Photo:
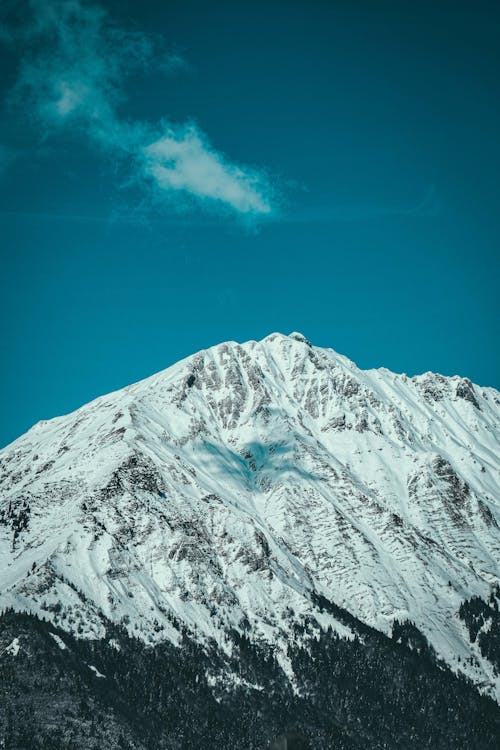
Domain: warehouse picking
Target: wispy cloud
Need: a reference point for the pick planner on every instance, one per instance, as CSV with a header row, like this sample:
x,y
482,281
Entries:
x,y
174,63
73,79
429,205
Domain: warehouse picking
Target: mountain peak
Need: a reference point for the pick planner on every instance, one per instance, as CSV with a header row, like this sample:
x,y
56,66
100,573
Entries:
x,y
295,335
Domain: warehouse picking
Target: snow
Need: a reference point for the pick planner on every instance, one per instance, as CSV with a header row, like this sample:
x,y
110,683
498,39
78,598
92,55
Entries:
x,y
222,492
96,671
13,648
59,641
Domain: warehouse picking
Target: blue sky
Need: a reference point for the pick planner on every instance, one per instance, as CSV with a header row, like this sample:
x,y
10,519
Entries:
x,y
177,174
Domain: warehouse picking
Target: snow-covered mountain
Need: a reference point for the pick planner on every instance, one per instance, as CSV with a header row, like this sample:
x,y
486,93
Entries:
x,y
233,489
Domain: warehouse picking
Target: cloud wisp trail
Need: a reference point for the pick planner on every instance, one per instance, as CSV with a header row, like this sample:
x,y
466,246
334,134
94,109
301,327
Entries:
x,y
73,77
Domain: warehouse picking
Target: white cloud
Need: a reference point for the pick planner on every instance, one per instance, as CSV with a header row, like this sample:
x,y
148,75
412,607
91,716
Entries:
x,y
184,161
75,79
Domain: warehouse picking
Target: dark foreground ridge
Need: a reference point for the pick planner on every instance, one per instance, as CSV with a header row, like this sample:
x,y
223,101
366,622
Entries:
x,y
61,693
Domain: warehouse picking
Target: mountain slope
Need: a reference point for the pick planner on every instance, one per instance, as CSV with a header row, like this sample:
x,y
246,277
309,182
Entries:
x,y
235,488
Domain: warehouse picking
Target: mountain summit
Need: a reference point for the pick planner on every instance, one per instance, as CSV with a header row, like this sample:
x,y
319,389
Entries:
x,y
255,487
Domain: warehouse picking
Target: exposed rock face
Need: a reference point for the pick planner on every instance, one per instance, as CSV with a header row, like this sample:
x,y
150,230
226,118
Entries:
x,y
229,490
